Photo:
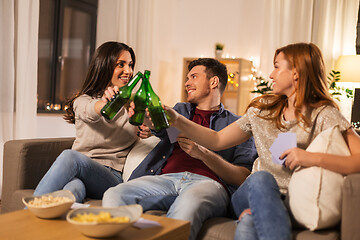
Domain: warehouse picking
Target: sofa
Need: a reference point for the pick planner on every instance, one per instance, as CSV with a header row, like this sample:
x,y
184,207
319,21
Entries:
x,y
26,161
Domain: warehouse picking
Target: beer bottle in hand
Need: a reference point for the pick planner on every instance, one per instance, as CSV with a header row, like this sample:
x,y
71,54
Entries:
x,y
156,111
120,98
141,103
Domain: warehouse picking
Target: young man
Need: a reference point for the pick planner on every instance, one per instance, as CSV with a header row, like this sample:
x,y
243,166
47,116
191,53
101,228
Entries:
x,y
191,182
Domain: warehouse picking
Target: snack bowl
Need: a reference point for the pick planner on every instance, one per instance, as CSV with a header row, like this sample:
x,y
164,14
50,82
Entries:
x,y
56,204
104,229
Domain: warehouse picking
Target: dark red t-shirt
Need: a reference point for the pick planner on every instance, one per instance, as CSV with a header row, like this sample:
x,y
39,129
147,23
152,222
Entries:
x,y
180,161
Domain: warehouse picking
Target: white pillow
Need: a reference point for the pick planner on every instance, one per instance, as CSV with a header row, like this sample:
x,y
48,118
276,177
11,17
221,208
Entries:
x,y
139,151
315,194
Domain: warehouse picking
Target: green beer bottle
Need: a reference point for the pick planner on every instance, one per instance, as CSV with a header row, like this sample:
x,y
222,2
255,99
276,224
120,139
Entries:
x,y
141,103
156,111
120,98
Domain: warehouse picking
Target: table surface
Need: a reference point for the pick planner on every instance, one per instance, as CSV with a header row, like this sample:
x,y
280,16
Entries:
x,y
23,224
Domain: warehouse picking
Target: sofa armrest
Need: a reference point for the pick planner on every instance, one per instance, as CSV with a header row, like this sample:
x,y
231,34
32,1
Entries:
x,y
26,161
351,207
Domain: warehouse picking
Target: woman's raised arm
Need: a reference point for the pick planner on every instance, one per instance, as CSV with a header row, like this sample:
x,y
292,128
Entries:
x,y
228,137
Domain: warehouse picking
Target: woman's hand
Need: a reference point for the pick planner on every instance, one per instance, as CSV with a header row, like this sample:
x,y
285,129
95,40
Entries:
x,y
107,96
147,120
131,110
172,114
144,132
109,93
298,157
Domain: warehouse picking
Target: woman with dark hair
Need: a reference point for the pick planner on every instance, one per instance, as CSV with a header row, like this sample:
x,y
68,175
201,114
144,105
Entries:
x,y
300,104
99,151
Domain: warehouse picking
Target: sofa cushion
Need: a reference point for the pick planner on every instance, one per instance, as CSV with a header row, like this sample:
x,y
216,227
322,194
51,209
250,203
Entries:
x,y
316,193
25,162
350,207
139,151
328,234
218,228
16,199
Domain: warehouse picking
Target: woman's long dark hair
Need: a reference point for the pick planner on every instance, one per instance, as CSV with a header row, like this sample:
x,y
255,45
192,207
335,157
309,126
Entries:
x,y
100,73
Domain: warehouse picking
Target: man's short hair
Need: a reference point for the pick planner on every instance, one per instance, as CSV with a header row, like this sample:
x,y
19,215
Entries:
x,y
212,68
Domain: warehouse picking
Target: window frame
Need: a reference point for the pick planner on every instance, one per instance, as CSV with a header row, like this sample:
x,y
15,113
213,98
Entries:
x,y
88,6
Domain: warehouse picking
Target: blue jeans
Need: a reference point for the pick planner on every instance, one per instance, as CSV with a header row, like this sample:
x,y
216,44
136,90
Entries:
x,y
79,174
246,229
269,218
184,195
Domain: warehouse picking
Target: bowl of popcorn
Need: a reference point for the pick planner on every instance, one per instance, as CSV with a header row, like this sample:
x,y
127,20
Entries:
x,y
99,222
51,205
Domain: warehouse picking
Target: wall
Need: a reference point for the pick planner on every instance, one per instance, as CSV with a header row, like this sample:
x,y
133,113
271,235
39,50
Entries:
x,y
187,28
190,28
53,125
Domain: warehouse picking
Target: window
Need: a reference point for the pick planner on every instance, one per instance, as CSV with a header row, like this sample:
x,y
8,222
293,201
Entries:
x,y
67,34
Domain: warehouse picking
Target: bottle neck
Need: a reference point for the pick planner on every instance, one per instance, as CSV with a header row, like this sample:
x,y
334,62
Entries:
x,y
131,84
148,85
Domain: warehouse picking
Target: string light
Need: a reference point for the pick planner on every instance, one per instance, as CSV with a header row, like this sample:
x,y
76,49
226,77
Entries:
x,y
260,84
232,81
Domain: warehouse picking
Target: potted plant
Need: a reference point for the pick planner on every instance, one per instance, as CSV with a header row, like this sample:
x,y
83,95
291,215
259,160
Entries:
x,y
219,47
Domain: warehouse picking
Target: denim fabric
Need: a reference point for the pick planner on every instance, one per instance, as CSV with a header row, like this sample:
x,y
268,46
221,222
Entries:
x,y
261,194
185,196
79,174
241,155
246,230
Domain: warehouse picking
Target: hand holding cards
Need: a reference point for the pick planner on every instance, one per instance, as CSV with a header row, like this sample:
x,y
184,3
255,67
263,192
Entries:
x,y
283,142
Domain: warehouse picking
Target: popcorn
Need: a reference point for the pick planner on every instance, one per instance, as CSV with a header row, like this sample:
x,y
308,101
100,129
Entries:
x,y
102,217
48,201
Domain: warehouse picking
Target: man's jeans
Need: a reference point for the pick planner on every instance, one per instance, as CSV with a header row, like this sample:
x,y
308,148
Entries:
x,y
79,174
184,195
269,218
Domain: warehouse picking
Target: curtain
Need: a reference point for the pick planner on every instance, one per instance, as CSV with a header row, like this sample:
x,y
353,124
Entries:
x,y
334,28
132,25
330,24
18,70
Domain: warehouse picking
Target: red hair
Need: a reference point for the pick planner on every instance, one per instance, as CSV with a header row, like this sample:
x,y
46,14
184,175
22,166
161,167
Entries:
x,y
312,89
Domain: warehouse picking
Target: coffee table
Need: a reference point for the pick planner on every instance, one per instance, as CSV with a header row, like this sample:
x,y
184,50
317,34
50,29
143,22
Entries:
x,y
23,224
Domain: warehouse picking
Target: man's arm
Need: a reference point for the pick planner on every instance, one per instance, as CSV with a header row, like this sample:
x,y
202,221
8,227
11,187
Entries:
x,y
230,173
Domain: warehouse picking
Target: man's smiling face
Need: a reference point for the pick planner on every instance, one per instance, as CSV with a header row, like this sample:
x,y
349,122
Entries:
x,y
197,85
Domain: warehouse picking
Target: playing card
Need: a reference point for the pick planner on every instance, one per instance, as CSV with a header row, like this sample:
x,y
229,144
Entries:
x,y
283,142
172,133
